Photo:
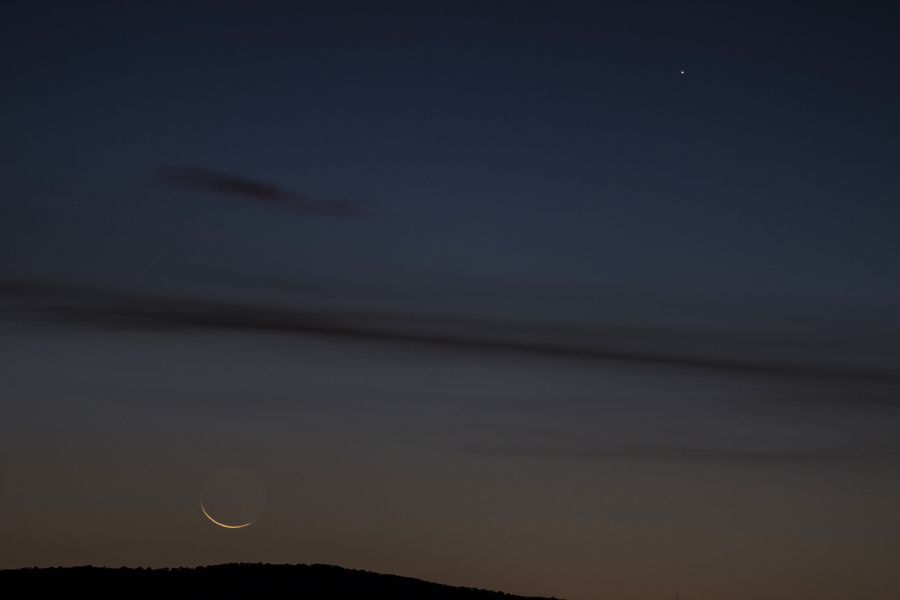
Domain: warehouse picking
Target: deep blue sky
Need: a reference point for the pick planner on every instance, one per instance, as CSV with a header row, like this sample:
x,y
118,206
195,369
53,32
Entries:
x,y
503,143
565,294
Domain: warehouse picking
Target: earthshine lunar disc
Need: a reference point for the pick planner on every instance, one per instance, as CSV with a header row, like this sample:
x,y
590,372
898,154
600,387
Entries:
x,y
233,497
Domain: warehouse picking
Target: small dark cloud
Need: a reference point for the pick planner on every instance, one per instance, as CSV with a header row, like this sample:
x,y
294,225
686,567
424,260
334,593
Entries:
x,y
227,184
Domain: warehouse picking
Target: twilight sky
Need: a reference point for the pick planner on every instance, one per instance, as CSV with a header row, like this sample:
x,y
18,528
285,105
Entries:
x,y
575,299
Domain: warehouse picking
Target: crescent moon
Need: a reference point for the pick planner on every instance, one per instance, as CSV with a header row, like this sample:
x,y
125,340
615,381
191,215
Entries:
x,y
241,526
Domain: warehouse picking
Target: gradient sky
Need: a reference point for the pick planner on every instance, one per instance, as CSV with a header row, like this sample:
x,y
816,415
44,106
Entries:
x,y
595,300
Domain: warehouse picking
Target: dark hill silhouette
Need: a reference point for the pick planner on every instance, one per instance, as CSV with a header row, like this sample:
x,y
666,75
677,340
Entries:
x,y
253,579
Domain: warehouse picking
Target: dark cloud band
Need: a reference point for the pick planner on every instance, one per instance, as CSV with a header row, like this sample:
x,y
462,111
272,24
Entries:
x,y
104,308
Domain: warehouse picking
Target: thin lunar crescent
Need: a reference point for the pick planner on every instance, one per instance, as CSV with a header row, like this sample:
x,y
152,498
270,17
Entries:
x,y
203,508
